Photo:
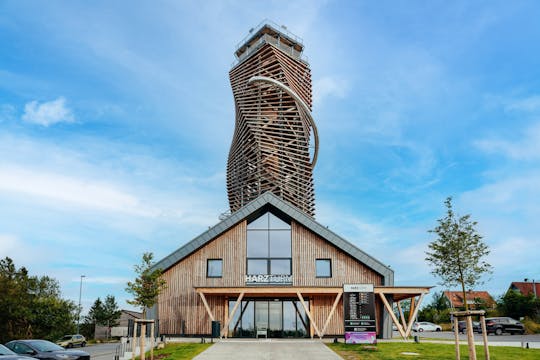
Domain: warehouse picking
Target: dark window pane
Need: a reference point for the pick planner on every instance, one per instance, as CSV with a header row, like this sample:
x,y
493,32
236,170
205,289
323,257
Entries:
x,y
215,268
257,243
323,268
280,243
280,267
277,223
257,267
259,223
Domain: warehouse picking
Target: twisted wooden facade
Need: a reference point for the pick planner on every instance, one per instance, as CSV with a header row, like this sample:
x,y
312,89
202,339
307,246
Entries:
x,y
275,141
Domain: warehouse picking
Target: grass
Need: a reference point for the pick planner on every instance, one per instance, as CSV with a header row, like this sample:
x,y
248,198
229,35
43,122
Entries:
x,y
178,351
391,351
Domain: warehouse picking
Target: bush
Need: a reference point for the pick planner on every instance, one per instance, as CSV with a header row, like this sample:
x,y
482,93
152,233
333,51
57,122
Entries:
x,y
531,327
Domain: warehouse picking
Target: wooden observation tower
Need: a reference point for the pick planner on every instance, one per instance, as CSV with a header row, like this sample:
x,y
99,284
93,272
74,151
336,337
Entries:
x,y
275,140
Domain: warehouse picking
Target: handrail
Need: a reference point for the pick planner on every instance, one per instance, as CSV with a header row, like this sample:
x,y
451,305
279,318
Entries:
x,y
298,99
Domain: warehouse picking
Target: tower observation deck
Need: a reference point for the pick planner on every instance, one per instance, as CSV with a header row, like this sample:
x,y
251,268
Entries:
x,y
275,141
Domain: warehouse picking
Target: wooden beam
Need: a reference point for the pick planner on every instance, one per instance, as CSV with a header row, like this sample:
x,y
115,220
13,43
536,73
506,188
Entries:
x,y
203,298
331,313
226,307
412,307
401,315
414,313
231,315
230,291
392,315
311,319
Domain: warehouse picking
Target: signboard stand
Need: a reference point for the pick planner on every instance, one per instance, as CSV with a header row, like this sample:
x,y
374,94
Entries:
x,y
359,314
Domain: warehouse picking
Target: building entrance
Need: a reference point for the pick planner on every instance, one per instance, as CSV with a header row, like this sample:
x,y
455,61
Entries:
x,y
276,318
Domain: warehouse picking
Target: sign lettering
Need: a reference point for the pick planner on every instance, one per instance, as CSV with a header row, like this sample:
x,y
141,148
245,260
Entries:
x,y
268,279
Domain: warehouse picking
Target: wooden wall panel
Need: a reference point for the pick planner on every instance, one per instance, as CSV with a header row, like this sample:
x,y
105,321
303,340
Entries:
x,y
180,301
307,247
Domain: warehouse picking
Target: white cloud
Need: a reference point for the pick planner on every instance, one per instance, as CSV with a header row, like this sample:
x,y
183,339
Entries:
x,y
47,113
108,280
527,148
329,86
82,192
528,104
7,112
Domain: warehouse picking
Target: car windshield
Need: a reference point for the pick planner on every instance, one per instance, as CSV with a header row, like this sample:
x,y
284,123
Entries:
x,y
45,346
5,351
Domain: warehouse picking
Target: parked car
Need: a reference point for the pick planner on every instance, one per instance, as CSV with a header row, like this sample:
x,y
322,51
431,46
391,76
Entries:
x,y
462,327
6,354
45,350
70,341
498,325
426,326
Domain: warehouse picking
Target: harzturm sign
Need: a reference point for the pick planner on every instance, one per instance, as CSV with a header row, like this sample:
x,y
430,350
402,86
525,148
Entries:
x,y
359,314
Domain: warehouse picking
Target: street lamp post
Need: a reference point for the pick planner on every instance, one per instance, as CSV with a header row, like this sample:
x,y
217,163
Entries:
x,y
79,313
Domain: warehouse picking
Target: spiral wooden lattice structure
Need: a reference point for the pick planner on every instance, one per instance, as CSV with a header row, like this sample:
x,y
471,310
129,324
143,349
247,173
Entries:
x,y
275,141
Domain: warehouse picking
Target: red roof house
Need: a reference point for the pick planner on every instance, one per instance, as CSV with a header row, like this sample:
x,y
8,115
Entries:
x,y
526,288
474,298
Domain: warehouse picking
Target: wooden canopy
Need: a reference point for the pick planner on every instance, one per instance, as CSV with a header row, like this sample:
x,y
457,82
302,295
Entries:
x,y
392,293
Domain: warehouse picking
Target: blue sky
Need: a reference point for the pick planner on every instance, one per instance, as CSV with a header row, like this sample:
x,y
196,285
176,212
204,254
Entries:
x,y
116,120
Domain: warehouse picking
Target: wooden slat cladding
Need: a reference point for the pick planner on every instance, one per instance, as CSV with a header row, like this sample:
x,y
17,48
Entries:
x,y
180,301
307,247
270,150
345,269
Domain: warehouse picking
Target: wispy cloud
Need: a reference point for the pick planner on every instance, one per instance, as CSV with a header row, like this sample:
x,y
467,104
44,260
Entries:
x,y
526,148
47,113
527,104
83,192
329,86
7,112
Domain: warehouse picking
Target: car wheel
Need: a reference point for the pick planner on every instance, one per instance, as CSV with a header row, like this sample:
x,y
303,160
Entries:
x,y
438,329
420,330
498,331
83,344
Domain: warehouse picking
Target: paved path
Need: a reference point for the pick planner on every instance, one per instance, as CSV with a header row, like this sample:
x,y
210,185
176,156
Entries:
x,y
268,350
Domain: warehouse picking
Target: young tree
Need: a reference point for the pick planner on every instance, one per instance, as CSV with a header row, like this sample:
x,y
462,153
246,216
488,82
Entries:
x,y
457,255
147,286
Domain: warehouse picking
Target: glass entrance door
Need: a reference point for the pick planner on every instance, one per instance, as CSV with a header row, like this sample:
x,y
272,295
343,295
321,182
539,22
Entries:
x,y
272,317
275,319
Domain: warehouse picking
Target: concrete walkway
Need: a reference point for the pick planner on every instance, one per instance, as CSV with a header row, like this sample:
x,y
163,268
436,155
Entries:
x,y
268,350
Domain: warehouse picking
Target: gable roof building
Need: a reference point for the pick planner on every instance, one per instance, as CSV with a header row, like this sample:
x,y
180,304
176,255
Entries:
x,y
474,299
526,287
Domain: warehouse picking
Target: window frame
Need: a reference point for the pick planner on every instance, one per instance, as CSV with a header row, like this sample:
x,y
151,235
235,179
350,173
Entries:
x,y
330,268
208,268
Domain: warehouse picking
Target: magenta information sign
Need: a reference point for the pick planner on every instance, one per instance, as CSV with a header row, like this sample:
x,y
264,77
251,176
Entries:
x,y
353,337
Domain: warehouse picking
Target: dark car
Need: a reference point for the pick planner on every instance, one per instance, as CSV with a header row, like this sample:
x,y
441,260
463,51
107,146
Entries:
x,y
498,325
6,354
462,327
43,349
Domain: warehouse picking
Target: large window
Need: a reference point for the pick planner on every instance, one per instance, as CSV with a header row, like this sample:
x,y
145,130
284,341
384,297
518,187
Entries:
x,y
268,246
323,268
214,268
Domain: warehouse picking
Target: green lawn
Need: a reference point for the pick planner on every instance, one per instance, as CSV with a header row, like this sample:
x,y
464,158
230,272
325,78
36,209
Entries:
x,y
391,351
179,351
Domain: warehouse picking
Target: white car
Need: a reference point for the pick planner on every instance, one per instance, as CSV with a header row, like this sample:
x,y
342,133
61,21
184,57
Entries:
x,y
426,326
